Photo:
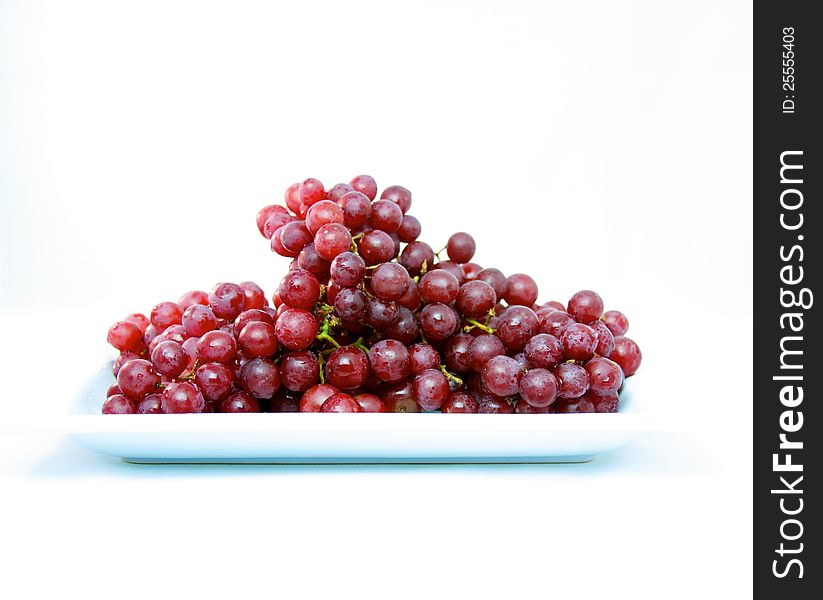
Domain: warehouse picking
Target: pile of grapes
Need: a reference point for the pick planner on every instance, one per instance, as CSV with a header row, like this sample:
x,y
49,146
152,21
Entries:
x,y
370,319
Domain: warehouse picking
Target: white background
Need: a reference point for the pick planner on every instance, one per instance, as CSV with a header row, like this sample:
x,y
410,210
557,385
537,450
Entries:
x,y
602,145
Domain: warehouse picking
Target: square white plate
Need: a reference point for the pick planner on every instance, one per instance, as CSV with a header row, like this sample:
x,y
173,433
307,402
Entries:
x,y
348,438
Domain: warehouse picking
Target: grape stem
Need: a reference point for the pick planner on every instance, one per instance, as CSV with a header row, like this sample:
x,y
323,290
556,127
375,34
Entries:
x,y
450,376
354,244
322,361
360,344
324,333
322,309
477,324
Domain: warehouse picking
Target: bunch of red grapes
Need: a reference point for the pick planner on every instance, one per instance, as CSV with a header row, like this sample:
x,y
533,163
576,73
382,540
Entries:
x,y
370,319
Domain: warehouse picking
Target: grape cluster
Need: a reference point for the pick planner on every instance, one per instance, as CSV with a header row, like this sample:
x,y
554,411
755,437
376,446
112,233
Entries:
x,y
371,319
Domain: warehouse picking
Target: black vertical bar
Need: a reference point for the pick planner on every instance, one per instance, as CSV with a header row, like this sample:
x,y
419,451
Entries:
x,y
788,169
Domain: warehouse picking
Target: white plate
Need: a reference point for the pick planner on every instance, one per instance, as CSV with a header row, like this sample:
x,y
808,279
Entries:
x,y
348,438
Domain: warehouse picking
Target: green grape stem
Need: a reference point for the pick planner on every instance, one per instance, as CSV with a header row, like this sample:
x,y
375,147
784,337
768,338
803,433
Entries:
x,y
450,376
473,324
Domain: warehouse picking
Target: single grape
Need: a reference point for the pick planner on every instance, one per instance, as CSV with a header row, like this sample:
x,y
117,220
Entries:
x,y
423,356
496,279
113,389
292,197
139,319
627,354
390,360
299,370
126,336
524,408
471,271
285,401
255,296
616,321
453,268
277,246
169,359
439,286
347,368
516,327
475,299
296,328
456,353
605,404
227,300
312,262
351,304
152,404
250,316
339,190
385,216
310,192
376,247
399,195
461,247
555,322
265,213
341,403
215,381
501,376
404,329
366,185
586,306
459,402
119,404
257,339
605,376
538,387
520,289
137,378
399,397
260,377
437,321
573,405
483,348
299,289
382,313
573,380
431,389
390,280
370,403
182,397
294,237
417,257
411,299
239,402
605,339
315,396
198,320
217,346
544,351
321,213
579,341
494,405
166,314
274,223
121,360
409,230
356,208
191,298
332,239
347,269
